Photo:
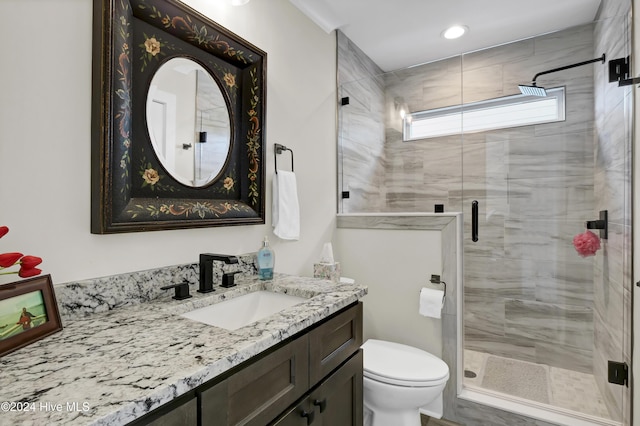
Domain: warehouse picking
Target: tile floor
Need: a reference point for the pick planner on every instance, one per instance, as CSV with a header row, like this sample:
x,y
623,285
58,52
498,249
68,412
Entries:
x,y
567,389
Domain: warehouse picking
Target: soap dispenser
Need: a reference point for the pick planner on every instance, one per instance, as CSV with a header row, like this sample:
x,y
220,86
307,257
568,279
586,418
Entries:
x,y
266,261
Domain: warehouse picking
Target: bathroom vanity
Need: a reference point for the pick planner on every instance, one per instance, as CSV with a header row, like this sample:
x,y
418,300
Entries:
x,y
146,364
260,389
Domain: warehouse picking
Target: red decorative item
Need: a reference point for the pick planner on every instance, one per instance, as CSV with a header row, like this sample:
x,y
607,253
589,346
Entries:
x,y
27,263
9,259
28,272
586,244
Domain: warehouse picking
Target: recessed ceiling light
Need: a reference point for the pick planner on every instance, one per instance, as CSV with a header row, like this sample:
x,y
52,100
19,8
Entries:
x,y
454,31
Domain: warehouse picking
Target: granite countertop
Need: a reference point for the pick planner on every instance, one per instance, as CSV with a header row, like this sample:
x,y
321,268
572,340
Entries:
x,y
113,367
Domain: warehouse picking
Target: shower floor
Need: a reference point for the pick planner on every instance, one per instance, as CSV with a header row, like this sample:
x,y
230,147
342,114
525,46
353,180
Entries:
x,y
558,387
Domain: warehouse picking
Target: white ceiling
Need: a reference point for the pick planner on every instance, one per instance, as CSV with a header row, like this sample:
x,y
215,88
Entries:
x,y
399,33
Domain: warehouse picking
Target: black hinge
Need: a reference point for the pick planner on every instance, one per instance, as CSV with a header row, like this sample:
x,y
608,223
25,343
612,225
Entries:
x,y
618,69
618,373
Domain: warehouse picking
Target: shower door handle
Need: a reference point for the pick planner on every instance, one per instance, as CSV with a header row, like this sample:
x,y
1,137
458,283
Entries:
x,y
474,221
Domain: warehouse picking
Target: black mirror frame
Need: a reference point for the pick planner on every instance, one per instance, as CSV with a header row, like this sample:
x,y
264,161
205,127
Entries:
x,y
130,190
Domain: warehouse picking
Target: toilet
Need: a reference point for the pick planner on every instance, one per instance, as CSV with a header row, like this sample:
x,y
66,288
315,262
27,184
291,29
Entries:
x,y
400,382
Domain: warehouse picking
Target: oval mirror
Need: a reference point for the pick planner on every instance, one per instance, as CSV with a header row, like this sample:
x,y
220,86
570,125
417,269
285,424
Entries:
x,y
188,122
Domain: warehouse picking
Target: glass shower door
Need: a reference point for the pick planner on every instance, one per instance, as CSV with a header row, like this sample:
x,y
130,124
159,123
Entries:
x,y
541,322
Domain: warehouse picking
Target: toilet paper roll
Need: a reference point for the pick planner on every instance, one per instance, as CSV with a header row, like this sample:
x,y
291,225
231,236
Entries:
x,y
431,302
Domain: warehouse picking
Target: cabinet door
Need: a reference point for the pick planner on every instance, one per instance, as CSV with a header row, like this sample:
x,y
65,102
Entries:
x,y
177,414
338,400
331,343
260,391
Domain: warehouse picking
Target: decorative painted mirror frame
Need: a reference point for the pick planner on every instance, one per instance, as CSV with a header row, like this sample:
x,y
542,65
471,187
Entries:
x,y
131,190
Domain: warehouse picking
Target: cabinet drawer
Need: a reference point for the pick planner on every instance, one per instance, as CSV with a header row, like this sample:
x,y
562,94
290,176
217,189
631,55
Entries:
x,y
331,343
259,392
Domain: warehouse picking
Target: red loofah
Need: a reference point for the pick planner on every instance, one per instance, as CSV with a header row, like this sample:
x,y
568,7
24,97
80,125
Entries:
x,y
587,243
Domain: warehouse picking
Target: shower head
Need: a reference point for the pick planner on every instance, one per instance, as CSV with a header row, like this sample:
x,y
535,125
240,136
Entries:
x,y
532,90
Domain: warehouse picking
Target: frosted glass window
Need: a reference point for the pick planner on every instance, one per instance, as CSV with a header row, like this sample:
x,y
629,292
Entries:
x,y
499,113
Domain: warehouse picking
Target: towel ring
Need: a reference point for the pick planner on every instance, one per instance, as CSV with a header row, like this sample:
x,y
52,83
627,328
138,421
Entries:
x,y
278,148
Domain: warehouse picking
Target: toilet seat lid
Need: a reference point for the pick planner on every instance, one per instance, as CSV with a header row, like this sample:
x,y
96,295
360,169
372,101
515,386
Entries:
x,y
399,364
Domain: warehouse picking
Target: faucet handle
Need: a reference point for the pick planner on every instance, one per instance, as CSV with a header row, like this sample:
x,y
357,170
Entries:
x,y
228,279
182,290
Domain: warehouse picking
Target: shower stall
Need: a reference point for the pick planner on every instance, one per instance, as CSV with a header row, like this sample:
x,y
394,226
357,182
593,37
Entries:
x,y
542,326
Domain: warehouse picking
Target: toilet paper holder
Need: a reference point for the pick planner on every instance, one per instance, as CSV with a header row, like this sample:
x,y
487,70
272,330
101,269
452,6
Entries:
x,y
435,279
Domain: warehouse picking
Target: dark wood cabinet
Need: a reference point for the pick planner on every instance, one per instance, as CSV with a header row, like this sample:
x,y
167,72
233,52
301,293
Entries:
x,y
259,392
315,378
337,401
181,412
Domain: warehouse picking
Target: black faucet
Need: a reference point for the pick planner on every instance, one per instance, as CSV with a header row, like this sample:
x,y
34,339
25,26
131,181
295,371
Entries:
x,y
206,269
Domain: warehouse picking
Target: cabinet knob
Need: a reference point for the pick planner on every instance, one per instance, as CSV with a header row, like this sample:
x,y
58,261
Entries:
x,y
309,415
322,404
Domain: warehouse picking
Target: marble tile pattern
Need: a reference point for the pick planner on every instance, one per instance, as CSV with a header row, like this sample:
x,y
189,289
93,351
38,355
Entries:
x,y
118,364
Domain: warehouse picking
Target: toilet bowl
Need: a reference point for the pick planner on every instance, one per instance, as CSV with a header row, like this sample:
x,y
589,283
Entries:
x,y
401,381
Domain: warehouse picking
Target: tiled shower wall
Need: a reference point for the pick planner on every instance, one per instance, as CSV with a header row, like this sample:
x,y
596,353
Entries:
x,y
527,294
524,297
361,127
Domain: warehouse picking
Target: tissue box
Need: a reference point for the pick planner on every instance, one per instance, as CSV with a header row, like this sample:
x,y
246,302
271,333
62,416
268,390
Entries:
x,y
327,271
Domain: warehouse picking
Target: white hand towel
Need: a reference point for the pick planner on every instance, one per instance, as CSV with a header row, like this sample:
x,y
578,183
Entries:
x,y
285,208
431,302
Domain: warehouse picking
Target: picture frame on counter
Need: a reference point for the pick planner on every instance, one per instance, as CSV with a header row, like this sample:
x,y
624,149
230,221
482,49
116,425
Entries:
x,y
28,313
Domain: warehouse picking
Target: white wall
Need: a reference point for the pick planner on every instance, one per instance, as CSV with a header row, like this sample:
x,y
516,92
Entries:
x,y
45,102
395,265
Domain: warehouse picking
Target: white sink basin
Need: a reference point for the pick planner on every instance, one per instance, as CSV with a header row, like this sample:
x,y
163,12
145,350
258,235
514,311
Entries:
x,y
243,310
